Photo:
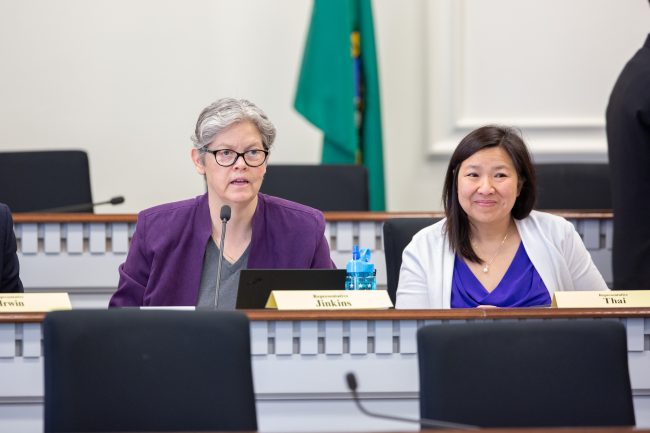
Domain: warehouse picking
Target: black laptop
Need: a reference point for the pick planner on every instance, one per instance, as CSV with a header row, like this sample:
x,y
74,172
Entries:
x,y
255,285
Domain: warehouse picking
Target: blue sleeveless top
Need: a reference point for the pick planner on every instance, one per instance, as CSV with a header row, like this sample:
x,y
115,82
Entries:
x,y
521,286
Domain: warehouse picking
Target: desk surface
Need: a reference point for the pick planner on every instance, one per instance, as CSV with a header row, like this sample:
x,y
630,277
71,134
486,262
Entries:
x,y
522,430
452,314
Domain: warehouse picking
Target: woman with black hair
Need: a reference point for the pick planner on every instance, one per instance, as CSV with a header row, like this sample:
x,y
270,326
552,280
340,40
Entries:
x,y
492,249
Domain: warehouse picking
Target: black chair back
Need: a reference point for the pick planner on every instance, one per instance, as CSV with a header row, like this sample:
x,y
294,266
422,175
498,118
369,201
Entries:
x,y
398,233
132,370
324,187
34,181
526,374
573,186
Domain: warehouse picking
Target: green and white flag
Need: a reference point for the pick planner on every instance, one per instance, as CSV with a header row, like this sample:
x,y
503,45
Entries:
x,y
338,88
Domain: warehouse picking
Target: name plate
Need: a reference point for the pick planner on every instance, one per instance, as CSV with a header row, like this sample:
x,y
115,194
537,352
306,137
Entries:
x,y
329,300
33,302
605,299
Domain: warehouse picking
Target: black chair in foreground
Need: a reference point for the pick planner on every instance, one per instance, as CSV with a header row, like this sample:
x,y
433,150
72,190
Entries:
x,y
398,233
324,187
34,181
573,186
132,370
526,374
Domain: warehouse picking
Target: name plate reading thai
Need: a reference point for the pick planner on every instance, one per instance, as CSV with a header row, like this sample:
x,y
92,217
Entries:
x,y
605,299
329,300
33,302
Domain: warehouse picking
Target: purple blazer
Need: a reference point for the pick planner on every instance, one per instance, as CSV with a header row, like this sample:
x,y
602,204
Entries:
x,y
165,259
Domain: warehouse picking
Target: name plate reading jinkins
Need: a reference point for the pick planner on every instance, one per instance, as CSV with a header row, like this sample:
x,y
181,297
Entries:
x,y
604,299
329,300
33,302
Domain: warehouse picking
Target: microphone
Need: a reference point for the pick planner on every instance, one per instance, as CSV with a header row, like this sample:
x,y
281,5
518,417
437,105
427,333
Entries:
x,y
224,215
83,207
351,381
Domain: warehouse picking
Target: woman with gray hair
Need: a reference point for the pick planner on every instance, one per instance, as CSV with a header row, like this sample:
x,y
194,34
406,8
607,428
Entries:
x,y
174,252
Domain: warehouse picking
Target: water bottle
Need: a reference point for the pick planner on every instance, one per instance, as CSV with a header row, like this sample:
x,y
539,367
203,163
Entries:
x,y
361,274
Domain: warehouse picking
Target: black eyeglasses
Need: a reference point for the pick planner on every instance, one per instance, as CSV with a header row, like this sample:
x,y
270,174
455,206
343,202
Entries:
x,y
228,157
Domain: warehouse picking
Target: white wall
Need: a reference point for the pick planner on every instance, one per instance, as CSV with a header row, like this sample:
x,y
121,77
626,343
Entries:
x,y
125,80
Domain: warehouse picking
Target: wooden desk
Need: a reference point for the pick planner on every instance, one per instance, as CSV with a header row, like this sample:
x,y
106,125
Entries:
x,y
80,253
523,430
550,430
300,360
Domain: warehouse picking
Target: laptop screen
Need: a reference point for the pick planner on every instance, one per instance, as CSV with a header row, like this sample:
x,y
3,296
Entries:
x,y
255,285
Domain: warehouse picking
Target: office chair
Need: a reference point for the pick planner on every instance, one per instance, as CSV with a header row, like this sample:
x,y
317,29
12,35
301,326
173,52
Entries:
x,y
33,181
132,370
398,233
324,187
526,374
573,186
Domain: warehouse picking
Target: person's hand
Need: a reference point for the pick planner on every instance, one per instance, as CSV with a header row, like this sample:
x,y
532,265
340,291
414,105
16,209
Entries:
x,y
487,306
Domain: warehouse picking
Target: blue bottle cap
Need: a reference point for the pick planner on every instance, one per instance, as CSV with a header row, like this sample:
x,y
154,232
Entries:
x,y
355,252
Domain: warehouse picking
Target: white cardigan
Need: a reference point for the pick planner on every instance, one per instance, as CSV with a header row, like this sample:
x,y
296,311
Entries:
x,y
552,244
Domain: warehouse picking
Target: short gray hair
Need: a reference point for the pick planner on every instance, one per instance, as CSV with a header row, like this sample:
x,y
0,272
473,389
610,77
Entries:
x,y
222,114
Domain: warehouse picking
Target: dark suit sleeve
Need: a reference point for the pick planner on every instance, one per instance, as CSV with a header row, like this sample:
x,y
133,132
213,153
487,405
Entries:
x,y
9,268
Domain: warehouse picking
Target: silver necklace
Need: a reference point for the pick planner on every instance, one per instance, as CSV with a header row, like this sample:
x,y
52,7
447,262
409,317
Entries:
x,y
486,268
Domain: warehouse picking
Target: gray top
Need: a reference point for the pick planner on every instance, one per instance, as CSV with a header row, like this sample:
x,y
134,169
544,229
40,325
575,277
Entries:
x,y
229,279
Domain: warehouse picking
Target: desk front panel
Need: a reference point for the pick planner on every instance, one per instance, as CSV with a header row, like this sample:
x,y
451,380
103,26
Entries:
x,y
300,360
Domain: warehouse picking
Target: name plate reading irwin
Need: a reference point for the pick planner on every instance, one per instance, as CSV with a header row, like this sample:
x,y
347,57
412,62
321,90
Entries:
x,y
329,300
33,302
604,299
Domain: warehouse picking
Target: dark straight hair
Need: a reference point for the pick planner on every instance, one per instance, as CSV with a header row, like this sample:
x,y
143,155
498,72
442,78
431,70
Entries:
x,y
457,225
